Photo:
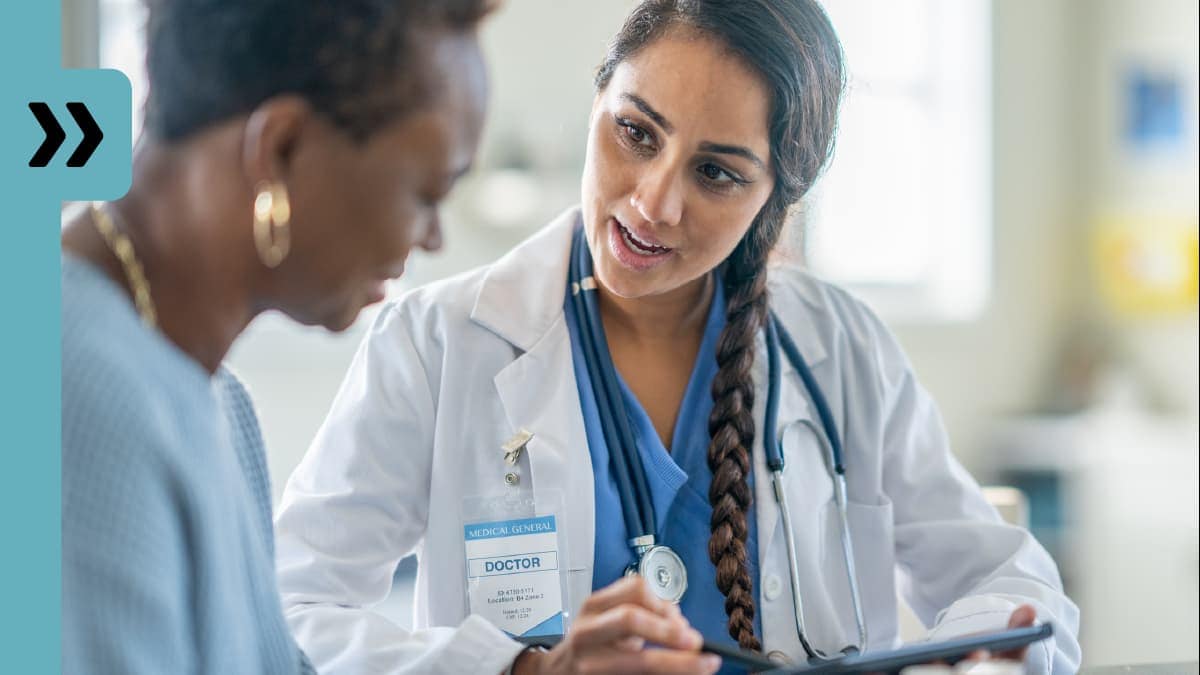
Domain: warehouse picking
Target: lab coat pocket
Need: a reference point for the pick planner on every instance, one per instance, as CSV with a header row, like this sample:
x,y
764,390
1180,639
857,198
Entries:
x,y
872,539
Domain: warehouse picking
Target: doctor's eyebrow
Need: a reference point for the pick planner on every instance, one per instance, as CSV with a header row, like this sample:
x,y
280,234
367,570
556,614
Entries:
x,y
737,150
706,146
649,111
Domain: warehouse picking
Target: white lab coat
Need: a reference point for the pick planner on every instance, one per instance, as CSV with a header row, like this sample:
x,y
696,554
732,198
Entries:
x,y
454,369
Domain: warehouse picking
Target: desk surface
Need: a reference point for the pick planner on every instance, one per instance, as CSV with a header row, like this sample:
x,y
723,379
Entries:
x,y
1183,668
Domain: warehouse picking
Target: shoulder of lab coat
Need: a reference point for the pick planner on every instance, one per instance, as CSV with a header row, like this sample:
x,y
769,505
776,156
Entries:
x,y
342,527
961,568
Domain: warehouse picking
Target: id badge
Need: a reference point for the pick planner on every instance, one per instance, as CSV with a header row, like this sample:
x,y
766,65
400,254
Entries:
x,y
515,567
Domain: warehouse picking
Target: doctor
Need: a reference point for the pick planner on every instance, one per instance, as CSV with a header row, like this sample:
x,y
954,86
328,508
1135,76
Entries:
x,y
640,359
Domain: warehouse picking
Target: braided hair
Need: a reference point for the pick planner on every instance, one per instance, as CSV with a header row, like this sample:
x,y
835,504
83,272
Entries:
x,y
792,46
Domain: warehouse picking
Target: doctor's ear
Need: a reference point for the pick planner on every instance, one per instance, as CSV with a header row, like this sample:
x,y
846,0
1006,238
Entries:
x,y
272,132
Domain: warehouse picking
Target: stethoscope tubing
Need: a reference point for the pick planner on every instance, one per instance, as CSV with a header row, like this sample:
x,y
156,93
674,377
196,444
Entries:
x,y
778,338
610,424
629,474
775,327
842,503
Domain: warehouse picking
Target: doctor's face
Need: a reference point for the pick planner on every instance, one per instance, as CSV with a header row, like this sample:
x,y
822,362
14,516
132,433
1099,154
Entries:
x,y
678,164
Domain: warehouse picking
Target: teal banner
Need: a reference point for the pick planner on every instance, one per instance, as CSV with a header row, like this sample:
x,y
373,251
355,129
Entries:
x,y
64,135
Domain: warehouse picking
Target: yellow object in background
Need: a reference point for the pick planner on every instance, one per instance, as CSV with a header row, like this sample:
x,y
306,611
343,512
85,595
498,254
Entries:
x,y
1148,266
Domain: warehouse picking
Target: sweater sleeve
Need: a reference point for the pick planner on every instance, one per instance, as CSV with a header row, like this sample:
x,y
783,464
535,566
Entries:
x,y
246,436
125,555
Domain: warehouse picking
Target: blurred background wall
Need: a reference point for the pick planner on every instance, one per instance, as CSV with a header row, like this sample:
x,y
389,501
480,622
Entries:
x,y
1054,317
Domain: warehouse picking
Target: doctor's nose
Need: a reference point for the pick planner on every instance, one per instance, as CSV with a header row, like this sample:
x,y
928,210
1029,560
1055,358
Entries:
x,y
658,197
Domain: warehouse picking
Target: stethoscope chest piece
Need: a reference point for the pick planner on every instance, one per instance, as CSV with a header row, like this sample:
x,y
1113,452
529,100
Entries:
x,y
664,572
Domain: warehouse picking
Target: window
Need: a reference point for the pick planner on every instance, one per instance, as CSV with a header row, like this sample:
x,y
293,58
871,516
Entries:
x,y
122,47
903,214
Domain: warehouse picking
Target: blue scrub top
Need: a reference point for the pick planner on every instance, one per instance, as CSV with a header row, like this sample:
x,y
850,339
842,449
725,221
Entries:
x,y
679,482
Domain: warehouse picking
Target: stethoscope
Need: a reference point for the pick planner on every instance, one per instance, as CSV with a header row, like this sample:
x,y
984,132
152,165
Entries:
x,y
660,566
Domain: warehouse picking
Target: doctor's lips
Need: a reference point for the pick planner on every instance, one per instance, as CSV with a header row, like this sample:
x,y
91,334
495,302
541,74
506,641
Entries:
x,y
638,251
642,243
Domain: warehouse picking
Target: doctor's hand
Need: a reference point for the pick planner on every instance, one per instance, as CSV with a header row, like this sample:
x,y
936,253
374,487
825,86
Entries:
x,y
611,632
1022,617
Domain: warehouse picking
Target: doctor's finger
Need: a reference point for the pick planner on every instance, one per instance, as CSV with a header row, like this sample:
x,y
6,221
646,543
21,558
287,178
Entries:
x,y
627,590
632,621
1023,616
662,661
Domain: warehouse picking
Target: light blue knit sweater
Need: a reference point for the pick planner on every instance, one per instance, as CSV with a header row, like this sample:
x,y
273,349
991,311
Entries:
x,y
167,546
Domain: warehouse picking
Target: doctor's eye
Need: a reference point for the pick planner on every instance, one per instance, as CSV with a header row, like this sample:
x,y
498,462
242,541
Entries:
x,y
718,177
634,136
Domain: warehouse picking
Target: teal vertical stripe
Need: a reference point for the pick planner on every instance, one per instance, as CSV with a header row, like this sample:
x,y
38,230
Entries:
x,y
30,355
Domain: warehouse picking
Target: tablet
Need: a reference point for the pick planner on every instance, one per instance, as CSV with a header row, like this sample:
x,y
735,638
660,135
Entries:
x,y
949,651
753,662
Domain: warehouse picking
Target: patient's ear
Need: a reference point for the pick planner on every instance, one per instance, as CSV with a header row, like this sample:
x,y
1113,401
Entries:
x,y
269,139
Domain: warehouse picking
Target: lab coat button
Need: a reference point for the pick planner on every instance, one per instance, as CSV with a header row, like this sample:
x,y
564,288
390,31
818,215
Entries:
x,y
772,586
778,657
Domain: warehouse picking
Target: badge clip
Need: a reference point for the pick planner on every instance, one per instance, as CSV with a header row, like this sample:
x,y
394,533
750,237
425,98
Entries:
x,y
513,446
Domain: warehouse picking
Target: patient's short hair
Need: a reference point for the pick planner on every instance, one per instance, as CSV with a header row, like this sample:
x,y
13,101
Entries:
x,y
358,62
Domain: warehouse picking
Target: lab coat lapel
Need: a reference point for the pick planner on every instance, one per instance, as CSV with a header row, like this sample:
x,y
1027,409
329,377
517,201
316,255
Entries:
x,y
521,301
521,297
539,394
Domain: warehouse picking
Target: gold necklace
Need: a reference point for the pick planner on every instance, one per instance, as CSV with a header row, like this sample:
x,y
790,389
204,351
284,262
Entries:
x,y
120,245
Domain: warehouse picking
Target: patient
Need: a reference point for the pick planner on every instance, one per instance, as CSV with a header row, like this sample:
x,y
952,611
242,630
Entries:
x,y
294,154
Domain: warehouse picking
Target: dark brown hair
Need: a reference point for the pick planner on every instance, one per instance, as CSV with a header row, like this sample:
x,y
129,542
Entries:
x,y
793,47
358,62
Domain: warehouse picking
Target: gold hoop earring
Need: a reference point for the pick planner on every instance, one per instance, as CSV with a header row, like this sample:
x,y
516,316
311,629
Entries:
x,y
272,223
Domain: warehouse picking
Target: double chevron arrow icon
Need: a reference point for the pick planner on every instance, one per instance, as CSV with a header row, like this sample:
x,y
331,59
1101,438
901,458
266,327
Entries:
x,y
55,134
